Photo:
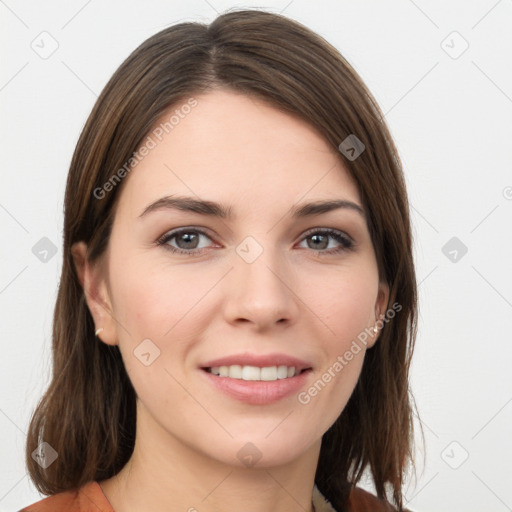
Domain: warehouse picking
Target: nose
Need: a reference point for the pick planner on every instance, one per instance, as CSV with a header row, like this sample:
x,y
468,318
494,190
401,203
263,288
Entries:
x,y
261,293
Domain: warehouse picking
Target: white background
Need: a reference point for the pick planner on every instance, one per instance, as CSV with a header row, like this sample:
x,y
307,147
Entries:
x,y
452,122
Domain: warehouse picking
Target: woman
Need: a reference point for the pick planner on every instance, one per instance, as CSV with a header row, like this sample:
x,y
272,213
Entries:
x,y
237,307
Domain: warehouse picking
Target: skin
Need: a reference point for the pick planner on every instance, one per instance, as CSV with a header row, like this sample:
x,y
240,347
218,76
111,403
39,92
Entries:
x,y
261,162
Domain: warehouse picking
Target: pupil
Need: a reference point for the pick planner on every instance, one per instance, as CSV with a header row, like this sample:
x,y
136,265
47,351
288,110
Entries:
x,y
317,237
187,237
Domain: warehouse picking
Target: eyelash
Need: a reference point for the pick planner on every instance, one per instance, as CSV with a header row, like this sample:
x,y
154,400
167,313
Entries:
x,y
347,244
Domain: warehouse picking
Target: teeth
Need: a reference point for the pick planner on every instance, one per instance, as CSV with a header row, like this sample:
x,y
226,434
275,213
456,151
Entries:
x,y
251,373
235,371
267,373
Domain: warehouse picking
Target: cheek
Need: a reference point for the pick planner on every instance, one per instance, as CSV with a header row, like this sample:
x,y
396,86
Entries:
x,y
168,305
345,303
154,300
346,306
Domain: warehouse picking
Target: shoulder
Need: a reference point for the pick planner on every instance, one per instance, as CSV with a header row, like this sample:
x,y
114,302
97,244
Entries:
x,y
360,500
88,498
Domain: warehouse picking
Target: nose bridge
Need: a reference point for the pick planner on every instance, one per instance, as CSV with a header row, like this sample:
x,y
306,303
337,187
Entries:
x,y
261,292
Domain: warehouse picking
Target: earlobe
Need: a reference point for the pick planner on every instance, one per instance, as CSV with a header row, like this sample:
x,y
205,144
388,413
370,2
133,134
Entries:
x,y
93,282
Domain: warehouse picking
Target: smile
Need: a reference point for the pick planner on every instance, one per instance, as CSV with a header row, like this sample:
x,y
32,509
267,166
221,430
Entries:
x,y
266,373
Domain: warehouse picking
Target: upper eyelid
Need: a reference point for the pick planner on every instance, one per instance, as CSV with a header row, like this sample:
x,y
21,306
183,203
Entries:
x,y
178,231
314,230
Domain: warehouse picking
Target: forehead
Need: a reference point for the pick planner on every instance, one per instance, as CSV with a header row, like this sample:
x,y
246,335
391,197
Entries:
x,y
237,149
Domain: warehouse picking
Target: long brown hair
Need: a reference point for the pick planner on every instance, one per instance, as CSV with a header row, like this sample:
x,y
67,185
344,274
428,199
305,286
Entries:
x,y
88,413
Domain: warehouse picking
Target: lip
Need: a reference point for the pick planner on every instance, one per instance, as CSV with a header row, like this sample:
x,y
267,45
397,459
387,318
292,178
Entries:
x,y
264,360
257,392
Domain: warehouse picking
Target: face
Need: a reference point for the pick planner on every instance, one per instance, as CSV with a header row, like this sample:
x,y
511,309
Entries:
x,y
268,284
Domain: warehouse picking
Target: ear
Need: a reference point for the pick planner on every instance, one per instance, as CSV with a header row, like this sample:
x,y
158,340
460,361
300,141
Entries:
x,y
381,304
92,277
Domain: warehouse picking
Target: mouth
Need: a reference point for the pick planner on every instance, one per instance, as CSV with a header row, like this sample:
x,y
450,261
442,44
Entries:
x,y
257,385
256,373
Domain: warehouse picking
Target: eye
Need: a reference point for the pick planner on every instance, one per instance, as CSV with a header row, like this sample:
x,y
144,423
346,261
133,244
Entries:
x,y
187,240
320,240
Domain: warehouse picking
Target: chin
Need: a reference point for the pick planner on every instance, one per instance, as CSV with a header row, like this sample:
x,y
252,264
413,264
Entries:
x,y
262,450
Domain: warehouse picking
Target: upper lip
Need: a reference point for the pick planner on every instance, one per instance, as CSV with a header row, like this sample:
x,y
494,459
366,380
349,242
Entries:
x,y
262,360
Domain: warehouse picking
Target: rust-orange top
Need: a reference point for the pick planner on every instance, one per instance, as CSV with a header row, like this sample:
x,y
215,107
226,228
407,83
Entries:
x,y
90,498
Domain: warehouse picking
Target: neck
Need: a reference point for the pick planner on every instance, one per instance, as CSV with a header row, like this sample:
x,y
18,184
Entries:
x,y
166,475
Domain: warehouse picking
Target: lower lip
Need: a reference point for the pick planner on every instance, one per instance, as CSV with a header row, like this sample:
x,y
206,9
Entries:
x,y
258,392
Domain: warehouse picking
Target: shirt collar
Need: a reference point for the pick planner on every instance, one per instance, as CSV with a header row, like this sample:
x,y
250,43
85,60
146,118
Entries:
x,y
320,503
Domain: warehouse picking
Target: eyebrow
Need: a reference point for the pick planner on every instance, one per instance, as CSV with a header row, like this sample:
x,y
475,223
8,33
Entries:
x,y
213,209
